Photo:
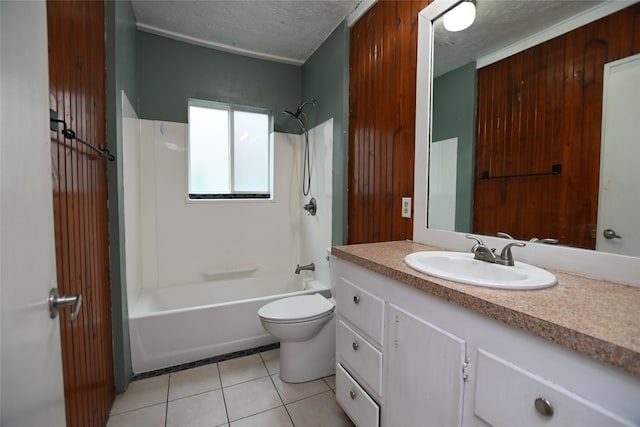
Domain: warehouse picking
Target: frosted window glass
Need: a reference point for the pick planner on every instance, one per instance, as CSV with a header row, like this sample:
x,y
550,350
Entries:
x,y
209,151
229,151
250,151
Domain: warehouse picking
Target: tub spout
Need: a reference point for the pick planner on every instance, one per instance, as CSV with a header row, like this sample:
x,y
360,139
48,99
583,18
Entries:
x,y
309,267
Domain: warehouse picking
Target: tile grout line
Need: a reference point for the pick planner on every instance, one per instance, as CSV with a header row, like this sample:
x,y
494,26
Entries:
x,y
224,399
136,408
277,391
246,381
308,397
166,404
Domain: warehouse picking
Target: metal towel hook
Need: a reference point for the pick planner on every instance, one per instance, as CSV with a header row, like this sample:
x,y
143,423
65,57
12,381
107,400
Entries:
x,y
70,134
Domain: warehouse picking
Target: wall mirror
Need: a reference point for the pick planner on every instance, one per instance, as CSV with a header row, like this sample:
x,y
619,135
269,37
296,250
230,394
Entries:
x,y
596,263
517,123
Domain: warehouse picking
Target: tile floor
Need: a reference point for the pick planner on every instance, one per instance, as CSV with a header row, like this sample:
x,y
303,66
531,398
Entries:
x,y
240,392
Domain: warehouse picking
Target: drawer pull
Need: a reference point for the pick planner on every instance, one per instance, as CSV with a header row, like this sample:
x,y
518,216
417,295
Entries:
x,y
352,394
544,407
356,299
355,346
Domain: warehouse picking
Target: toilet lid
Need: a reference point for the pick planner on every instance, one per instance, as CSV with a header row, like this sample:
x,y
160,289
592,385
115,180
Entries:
x,y
296,309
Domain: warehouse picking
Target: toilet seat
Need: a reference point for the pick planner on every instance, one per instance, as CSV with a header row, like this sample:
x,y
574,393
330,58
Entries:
x,y
302,308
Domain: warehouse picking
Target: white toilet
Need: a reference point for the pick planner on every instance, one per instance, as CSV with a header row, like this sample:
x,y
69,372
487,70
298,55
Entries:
x,y
306,328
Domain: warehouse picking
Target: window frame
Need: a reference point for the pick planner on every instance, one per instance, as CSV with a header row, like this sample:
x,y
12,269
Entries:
x,y
232,195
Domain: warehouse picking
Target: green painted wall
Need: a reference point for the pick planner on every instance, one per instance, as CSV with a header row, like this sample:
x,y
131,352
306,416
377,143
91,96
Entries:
x,y
169,72
454,96
325,77
121,75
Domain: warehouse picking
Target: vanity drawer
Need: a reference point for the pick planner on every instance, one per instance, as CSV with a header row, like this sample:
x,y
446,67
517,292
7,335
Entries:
x,y
361,308
360,407
364,358
507,394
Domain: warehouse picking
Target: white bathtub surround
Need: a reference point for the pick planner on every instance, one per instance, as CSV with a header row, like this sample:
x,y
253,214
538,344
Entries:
x,y
180,324
315,230
207,236
131,178
183,239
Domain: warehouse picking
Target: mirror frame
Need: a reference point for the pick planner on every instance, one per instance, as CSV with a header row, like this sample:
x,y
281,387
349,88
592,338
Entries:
x,y
597,265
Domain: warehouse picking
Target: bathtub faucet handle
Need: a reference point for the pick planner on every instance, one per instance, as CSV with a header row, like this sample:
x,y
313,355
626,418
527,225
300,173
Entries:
x,y
310,267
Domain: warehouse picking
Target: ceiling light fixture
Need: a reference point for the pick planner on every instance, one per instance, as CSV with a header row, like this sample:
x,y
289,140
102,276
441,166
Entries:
x,y
461,16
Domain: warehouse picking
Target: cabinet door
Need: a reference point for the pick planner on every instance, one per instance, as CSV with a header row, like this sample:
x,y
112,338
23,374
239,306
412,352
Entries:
x,y
423,382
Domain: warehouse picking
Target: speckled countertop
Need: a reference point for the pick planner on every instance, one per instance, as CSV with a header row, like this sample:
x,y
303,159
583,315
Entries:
x,y
597,318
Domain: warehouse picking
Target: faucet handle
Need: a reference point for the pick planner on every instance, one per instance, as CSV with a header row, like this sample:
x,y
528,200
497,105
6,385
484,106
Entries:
x,y
504,235
506,257
548,240
478,242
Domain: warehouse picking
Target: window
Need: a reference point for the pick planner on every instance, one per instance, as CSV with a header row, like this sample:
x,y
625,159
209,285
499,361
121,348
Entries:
x,y
230,154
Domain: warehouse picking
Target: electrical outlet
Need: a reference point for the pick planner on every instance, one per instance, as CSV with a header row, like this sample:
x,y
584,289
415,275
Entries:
x,y
406,207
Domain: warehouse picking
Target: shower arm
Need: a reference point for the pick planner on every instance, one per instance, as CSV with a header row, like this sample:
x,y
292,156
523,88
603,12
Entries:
x,y
299,114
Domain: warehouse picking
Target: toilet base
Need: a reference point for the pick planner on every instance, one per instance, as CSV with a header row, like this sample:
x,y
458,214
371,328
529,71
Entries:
x,y
309,360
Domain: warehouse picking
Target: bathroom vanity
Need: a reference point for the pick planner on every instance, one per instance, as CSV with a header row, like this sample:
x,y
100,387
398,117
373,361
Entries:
x,y
416,350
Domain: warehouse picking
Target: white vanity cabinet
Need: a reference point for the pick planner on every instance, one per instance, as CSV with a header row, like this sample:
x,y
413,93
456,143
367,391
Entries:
x,y
424,375
428,362
359,339
387,352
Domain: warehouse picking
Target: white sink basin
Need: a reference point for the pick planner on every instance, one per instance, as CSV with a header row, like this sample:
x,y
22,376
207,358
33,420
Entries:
x,y
462,268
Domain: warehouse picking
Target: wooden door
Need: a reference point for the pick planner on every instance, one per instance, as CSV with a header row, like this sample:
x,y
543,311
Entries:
x,y
77,92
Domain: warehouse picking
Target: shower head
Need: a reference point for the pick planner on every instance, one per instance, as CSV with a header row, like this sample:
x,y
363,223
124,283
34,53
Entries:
x,y
299,110
299,114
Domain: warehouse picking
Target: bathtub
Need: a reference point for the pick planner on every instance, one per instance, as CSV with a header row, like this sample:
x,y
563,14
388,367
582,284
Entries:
x,y
181,324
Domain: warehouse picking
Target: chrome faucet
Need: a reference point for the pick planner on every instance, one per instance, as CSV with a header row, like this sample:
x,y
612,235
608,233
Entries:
x,y
483,253
310,267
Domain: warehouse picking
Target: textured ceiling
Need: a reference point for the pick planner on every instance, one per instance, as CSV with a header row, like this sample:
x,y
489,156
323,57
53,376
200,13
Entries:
x,y
283,30
498,24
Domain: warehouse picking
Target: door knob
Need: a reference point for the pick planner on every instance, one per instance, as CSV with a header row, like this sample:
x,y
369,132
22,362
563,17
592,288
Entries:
x,y
57,301
611,234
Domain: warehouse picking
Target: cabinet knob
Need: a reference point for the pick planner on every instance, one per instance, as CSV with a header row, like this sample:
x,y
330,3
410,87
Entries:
x,y
356,299
352,394
544,407
355,346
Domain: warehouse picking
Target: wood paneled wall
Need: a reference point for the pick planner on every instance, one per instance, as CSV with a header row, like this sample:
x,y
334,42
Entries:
x,y
382,88
542,107
77,92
